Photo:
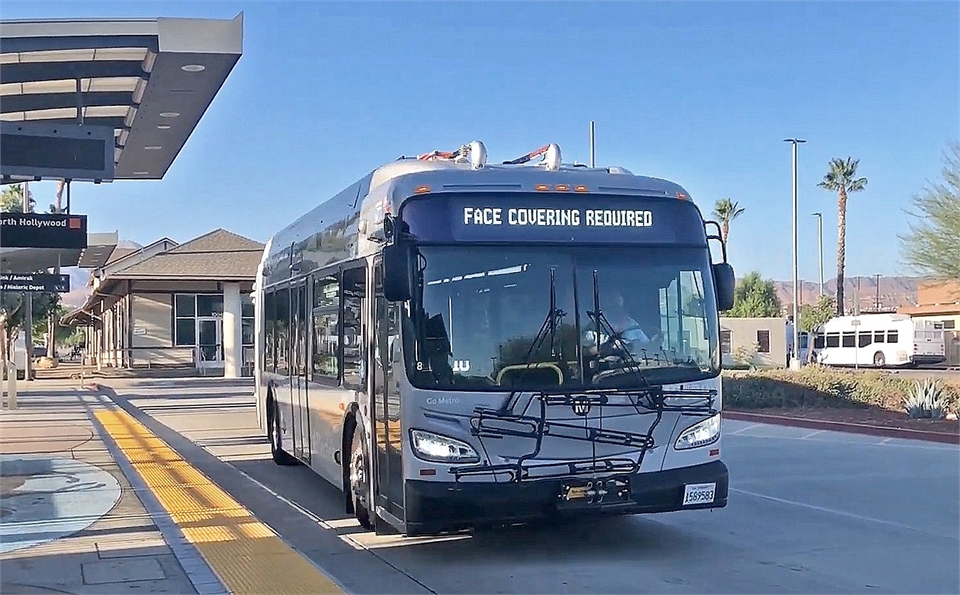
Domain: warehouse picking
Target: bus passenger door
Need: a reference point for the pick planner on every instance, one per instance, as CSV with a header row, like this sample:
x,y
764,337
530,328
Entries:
x,y
389,433
298,376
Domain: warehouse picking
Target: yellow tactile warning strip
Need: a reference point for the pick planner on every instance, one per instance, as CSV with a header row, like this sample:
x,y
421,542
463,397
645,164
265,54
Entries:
x,y
246,554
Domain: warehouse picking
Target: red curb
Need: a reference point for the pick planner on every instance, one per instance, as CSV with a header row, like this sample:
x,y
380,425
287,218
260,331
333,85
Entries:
x,y
839,426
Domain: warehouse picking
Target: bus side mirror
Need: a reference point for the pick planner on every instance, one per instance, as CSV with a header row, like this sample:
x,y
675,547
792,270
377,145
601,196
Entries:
x,y
725,282
398,271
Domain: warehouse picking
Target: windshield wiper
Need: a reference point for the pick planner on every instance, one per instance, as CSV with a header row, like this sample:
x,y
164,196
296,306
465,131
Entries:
x,y
601,323
549,327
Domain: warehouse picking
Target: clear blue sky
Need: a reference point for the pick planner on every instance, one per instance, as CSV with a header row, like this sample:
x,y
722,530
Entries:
x,y
702,93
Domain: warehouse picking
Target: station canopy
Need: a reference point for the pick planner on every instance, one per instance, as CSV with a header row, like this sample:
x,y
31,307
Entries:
x,y
107,99
102,100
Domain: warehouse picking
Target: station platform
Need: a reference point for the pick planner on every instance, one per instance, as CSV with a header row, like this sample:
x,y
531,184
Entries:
x,y
91,501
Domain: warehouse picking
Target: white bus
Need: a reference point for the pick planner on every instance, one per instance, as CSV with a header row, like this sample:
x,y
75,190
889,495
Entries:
x,y
878,340
456,344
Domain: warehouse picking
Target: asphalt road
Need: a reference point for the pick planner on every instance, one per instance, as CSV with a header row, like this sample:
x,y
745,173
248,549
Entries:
x,y
809,512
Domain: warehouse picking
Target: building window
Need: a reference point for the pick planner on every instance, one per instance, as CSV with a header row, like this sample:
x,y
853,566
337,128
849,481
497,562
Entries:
x,y
725,338
187,308
246,319
763,340
949,324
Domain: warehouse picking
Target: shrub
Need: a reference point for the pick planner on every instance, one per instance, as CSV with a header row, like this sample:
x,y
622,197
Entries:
x,y
926,400
820,386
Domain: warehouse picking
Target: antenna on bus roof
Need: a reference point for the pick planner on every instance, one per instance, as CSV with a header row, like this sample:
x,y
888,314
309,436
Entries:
x,y
475,152
550,161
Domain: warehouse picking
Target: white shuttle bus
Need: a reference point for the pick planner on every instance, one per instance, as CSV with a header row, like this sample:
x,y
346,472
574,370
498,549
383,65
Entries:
x,y
878,340
456,344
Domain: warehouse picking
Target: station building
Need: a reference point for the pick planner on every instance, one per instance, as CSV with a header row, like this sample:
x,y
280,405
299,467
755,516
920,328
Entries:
x,y
174,305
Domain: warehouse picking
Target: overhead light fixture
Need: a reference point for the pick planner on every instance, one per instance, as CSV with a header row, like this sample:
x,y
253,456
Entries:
x,y
153,147
163,126
141,173
193,68
169,114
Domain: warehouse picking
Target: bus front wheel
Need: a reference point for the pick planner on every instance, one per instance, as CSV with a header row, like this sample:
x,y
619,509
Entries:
x,y
360,478
879,360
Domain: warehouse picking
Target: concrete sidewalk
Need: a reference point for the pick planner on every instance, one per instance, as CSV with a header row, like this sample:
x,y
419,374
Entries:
x,y
70,521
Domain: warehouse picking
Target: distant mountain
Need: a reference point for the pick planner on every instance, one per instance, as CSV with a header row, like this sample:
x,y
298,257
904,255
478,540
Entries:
x,y
78,287
894,291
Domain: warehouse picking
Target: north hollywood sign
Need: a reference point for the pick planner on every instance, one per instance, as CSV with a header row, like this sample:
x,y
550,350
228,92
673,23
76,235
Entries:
x,y
35,282
37,230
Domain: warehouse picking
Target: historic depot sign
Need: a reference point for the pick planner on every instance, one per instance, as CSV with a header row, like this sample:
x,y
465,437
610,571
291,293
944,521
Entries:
x,y
42,230
35,282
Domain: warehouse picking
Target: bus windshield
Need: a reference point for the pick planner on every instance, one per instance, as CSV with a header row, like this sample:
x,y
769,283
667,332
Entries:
x,y
623,317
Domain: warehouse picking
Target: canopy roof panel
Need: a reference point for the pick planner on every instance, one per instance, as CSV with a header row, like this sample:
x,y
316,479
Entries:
x,y
151,80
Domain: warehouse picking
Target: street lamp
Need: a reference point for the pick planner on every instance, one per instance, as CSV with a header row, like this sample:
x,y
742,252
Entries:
x,y
819,217
878,291
794,360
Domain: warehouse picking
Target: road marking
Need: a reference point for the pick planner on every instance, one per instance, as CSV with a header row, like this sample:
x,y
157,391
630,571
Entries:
x,y
247,555
839,513
750,427
812,434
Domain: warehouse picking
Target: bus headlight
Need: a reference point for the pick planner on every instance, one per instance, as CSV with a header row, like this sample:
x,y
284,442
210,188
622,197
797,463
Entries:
x,y
433,447
700,433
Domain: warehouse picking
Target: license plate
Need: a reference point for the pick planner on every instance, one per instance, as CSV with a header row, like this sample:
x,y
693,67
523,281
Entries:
x,y
699,493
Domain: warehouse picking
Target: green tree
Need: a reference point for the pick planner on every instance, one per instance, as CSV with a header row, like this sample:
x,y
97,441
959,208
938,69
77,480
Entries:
x,y
12,320
726,211
932,245
41,327
813,315
755,297
11,199
841,177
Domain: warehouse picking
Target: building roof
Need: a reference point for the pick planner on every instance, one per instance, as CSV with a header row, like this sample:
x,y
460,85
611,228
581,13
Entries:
x,y
931,310
148,80
219,255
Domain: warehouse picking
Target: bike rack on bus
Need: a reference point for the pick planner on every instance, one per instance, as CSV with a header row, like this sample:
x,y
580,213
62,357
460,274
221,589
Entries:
x,y
500,423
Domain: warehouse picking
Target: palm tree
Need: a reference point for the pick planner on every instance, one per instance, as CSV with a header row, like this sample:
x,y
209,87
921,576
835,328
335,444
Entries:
x,y
726,211
842,178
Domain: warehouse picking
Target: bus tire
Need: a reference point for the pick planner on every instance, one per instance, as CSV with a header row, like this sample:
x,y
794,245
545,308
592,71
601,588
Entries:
x,y
360,478
280,456
879,360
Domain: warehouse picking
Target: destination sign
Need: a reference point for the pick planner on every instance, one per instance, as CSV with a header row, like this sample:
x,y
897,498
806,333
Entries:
x,y
35,282
43,230
553,218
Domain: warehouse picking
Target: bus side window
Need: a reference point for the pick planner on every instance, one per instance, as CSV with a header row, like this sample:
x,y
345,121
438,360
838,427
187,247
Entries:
x,y
354,286
281,330
326,301
849,340
892,337
269,340
833,339
878,337
818,341
864,339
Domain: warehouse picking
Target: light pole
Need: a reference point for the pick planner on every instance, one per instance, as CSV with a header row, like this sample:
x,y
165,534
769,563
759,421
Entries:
x,y
819,217
794,360
878,291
